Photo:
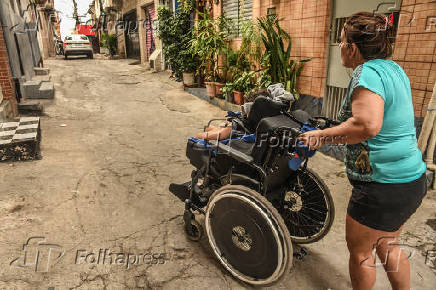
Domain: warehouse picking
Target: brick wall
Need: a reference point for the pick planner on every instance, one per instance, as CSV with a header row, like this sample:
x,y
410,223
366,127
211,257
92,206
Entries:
x,y
415,49
6,83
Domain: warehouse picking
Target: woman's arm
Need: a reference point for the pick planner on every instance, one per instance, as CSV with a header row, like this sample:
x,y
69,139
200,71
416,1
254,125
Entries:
x,y
367,118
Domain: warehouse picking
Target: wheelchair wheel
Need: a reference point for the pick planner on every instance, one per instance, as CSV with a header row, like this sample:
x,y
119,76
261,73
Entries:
x,y
307,208
247,235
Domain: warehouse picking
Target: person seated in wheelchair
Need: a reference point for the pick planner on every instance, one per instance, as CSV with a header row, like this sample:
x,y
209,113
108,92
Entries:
x,y
262,104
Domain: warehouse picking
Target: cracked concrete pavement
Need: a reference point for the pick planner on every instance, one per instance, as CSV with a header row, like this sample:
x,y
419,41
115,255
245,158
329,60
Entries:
x,y
103,184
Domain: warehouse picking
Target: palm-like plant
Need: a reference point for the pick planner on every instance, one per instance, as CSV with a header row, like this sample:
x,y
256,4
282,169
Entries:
x,y
276,59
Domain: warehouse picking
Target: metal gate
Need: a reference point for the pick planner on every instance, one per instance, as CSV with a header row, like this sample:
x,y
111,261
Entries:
x,y
131,35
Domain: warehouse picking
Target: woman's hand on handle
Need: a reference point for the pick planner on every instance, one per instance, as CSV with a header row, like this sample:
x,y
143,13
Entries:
x,y
367,119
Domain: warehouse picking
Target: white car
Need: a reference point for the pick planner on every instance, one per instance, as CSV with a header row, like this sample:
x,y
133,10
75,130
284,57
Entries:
x,y
77,44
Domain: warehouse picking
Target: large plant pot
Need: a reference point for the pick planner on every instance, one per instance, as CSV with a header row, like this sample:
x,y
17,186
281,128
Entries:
x,y
188,79
218,87
210,89
238,97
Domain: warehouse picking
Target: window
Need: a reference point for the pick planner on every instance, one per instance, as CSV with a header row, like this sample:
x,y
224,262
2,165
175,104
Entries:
x,y
338,23
238,11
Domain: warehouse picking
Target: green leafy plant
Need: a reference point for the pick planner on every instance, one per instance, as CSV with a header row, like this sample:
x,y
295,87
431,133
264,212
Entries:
x,y
244,82
251,43
110,42
176,33
189,5
276,59
211,40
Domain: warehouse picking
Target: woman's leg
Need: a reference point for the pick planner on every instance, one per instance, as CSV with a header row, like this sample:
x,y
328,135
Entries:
x,y
360,242
395,262
363,242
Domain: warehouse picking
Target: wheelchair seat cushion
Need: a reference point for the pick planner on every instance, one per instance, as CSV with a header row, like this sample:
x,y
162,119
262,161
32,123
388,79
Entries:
x,y
264,107
266,125
270,123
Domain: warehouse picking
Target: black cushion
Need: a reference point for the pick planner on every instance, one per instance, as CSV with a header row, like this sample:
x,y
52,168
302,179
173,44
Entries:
x,y
264,107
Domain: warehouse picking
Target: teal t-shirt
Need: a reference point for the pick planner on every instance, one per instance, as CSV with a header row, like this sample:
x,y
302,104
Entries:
x,y
392,156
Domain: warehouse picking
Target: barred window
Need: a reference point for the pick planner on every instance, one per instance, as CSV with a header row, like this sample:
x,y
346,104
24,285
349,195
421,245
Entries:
x,y
238,11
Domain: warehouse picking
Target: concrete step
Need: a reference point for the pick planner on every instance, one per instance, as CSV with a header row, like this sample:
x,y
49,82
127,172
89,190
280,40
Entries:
x,y
42,78
39,71
31,108
46,90
30,89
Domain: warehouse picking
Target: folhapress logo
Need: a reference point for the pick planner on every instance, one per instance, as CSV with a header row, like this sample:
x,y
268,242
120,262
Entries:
x,y
38,254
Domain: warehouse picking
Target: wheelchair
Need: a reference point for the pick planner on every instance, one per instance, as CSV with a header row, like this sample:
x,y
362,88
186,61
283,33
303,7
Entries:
x,y
256,193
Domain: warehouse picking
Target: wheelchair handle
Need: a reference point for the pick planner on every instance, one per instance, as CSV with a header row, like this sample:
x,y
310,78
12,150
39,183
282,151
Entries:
x,y
329,122
294,132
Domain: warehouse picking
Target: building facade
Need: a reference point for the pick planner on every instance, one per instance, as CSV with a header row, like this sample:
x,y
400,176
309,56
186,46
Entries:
x,y
133,21
138,37
314,26
415,50
27,37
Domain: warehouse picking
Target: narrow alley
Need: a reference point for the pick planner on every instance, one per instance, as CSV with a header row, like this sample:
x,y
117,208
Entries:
x,y
113,140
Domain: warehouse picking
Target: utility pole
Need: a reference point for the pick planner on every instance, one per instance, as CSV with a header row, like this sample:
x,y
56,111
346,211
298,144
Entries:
x,y
75,13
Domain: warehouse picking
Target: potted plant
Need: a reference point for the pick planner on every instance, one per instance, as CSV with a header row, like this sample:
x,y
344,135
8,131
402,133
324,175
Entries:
x,y
189,63
276,60
176,34
210,89
241,85
110,42
211,38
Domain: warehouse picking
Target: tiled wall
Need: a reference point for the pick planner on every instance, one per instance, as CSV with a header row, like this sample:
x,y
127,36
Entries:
x,y
415,49
307,22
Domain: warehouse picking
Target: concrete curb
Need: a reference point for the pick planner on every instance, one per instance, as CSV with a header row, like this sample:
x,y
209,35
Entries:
x,y
222,104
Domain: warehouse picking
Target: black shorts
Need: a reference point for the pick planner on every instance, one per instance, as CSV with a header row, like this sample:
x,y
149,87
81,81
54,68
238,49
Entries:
x,y
385,206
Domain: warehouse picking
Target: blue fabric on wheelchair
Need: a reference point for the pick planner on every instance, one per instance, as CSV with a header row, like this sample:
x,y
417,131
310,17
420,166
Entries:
x,y
231,114
295,163
246,138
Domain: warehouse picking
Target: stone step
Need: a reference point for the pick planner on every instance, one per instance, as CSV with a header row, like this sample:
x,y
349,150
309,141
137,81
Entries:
x,y
30,107
39,71
30,89
42,78
46,90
